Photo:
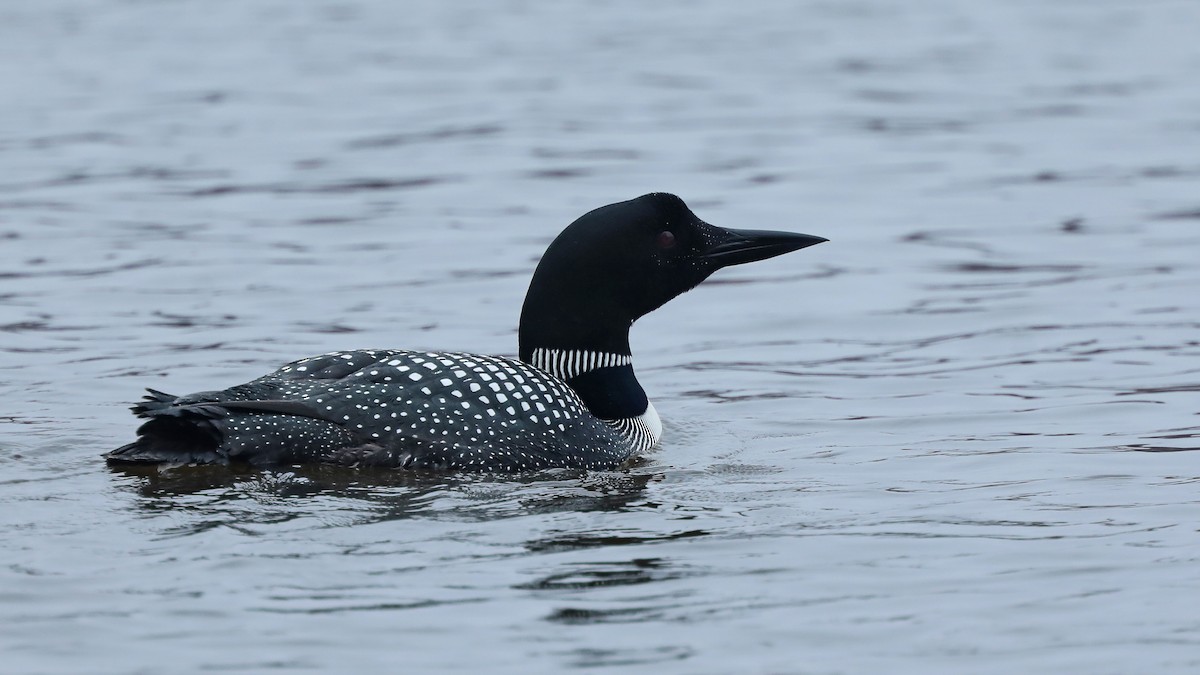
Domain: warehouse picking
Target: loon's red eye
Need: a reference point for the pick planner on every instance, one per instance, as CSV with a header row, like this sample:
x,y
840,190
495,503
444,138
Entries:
x,y
666,239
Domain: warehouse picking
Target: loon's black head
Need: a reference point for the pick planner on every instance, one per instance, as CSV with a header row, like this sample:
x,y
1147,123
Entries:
x,y
622,261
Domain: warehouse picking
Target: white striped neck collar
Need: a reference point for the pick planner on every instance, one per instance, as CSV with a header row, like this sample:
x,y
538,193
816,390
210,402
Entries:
x,y
570,363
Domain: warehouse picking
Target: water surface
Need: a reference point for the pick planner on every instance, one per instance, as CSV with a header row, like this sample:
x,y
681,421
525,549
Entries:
x,y
957,438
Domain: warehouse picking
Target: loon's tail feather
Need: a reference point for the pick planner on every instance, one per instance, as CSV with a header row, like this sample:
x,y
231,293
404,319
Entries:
x,y
189,431
154,400
172,439
173,434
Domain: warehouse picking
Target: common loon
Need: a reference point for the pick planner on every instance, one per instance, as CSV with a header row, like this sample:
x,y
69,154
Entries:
x,y
572,400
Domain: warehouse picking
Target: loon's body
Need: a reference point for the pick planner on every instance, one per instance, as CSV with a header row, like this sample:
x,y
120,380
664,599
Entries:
x,y
571,400
395,408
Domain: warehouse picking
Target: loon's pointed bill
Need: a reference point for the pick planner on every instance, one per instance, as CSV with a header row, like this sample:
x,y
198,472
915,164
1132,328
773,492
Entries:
x,y
570,400
737,247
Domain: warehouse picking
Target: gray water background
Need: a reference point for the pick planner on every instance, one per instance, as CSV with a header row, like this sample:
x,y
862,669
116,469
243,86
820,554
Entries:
x,y
950,440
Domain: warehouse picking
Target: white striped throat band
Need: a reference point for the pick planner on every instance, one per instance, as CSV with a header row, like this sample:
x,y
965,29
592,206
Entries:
x,y
569,363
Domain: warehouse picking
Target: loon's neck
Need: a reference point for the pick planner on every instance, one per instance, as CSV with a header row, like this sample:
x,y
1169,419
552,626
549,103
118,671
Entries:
x,y
580,338
574,325
608,387
605,381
